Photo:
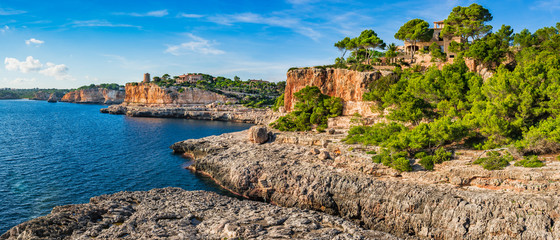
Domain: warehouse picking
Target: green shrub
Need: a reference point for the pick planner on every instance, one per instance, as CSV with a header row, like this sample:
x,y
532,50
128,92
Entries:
x,y
441,155
396,160
278,103
311,108
530,162
494,160
427,162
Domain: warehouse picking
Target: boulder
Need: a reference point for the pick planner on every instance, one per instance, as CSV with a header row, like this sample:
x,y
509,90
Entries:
x,y
258,134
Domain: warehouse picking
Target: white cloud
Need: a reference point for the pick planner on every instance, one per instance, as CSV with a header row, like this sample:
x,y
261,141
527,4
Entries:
x,y
58,71
37,42
197,45
158,13
4,29
21,80
6,12
99,23
275,21
29,65
189,15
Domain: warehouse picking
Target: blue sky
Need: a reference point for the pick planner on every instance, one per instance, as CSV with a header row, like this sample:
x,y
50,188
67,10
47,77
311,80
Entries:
x,y
67,44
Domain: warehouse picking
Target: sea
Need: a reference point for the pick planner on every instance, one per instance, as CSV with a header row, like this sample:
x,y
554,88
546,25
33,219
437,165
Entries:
x,y
55,154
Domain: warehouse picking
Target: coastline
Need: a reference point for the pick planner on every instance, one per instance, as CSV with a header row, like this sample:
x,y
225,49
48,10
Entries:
x,y
177,213
421,204
210,112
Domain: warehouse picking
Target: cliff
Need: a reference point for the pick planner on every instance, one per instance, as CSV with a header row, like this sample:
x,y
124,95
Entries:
x,y
150,93
94,95
457,201
346,84
173,213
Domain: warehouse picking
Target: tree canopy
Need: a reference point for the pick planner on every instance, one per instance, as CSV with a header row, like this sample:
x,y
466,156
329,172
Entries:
x,y
363,45
467,22
413,31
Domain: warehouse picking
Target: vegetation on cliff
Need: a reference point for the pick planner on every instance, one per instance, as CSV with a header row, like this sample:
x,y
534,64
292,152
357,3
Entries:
x,y
111,86
517,107
256,94
311,109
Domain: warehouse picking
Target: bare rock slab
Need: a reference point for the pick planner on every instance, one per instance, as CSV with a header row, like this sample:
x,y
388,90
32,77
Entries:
x,y
174,213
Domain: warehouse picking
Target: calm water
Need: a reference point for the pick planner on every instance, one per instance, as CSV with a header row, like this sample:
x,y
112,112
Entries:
x,y
62,153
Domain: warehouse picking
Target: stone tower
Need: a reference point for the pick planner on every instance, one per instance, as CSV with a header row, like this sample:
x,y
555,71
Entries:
x,y
146,78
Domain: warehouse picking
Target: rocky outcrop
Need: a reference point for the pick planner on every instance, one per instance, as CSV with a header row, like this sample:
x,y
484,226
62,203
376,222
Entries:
x,y
151,93
52,98
290,172
346,84
95,96
212,112
173,213
40,95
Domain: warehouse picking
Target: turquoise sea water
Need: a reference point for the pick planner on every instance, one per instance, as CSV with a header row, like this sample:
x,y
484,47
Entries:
x,y
62,153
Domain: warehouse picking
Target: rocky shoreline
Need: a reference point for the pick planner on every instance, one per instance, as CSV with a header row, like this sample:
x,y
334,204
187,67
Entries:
x,y
173,213
319,173
212,112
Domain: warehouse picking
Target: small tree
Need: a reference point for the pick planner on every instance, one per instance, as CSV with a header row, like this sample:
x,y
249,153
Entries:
x,y
342,46
414,31
369,40
391,52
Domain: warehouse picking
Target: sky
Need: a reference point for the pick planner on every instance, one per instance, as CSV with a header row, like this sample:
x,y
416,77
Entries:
x,y
71,43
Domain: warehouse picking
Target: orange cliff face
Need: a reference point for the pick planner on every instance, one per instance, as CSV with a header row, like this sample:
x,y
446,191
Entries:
x,y
152,94
94,95
346,84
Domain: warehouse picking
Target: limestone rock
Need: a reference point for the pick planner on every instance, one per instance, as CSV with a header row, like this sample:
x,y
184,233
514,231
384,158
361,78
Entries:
x,y
151,93
40,95
94,95
258,134
324,155
400,206
52,98
230,113
346,84
173,213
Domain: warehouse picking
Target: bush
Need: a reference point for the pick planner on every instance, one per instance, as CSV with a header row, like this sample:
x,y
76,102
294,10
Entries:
x,y
530,162
396,160
494,160
278,103
312,108
429,161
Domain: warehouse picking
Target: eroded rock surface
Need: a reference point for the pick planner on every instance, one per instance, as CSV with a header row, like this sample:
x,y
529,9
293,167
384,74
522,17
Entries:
x,y
346,84
173,213
151,93
94,95
423,204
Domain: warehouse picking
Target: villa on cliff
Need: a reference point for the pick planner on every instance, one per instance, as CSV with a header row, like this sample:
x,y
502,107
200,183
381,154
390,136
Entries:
x,y
190,78
443,42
